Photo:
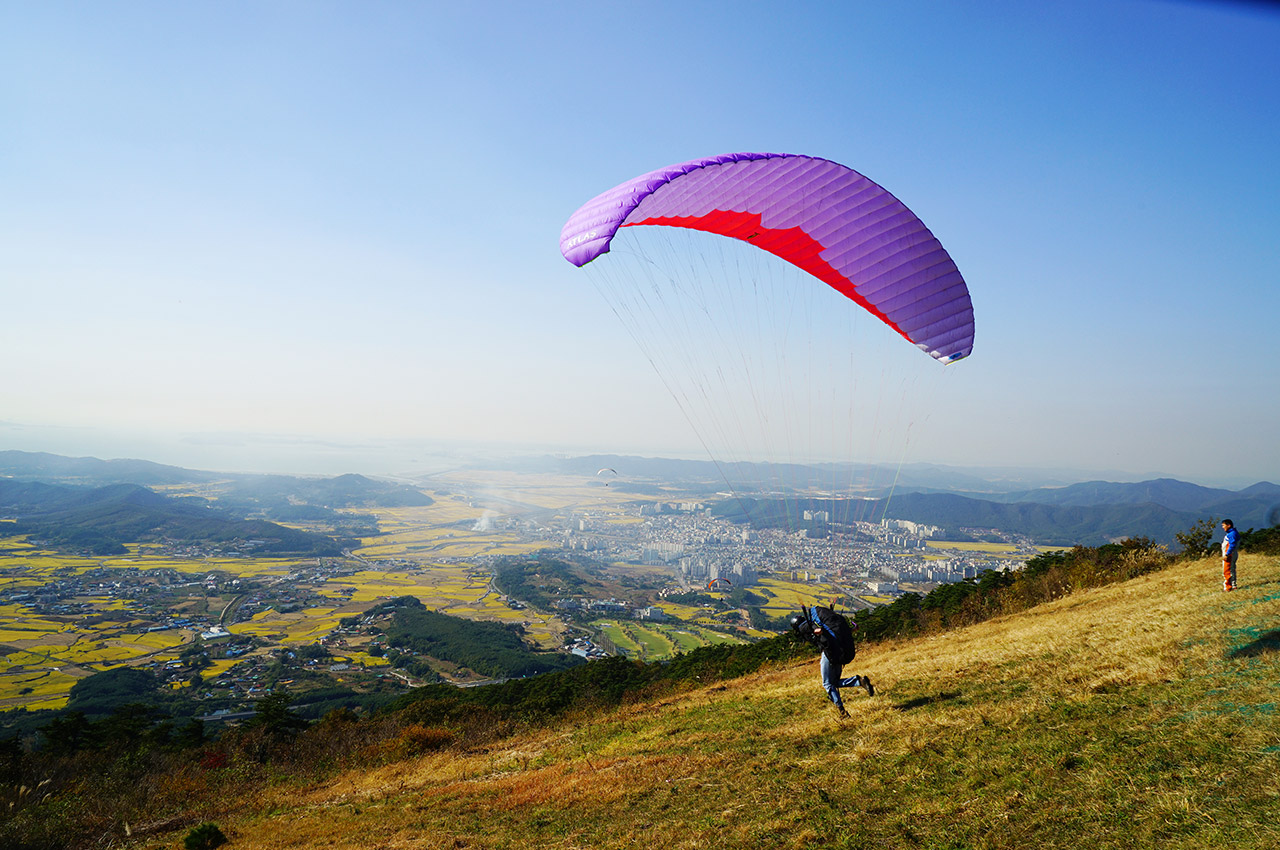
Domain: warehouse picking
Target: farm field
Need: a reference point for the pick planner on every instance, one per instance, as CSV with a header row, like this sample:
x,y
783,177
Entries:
x,y
117,598
441,530
65,617
787,596
975,546
435,553
650,641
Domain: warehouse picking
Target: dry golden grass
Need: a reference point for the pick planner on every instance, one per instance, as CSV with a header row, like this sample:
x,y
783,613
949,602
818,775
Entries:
x,y
1112,718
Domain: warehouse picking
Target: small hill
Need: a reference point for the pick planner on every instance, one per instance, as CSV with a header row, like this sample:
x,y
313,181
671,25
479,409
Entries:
x,y
1255,505
37,483
344,491
255,491
42,466
101,519
1140,714
1262,488
1171,493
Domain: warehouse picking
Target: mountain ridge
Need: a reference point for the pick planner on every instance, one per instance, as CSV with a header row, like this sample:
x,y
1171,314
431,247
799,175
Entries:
x,y
1090,513
101,520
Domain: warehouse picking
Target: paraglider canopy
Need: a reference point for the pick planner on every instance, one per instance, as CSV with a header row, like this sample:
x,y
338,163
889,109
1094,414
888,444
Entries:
x,y
716,269
818,215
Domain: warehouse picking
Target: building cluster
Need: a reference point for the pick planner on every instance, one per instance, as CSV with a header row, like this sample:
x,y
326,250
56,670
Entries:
x,y
911,529
661,552
865,557
709,569
938,572
592,606
585,648
66,594
613,607
284,598
256,677
658,508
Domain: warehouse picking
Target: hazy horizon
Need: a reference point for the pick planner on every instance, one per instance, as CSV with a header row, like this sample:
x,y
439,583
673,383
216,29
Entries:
x,y
321,238
283,454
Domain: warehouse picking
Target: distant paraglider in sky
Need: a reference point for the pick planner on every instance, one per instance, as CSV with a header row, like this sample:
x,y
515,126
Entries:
x,y
719,584
606,475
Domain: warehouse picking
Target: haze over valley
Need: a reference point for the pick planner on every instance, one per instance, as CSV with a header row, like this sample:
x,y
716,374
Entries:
x,y
132,563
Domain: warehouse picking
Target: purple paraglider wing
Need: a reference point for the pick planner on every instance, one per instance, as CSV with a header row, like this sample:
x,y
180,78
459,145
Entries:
x,y
821,216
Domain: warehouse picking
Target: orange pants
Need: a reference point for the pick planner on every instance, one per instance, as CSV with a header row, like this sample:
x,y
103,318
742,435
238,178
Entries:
x,y
1229,571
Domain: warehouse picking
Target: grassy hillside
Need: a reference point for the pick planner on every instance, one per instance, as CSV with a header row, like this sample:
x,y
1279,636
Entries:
x,y
1141,714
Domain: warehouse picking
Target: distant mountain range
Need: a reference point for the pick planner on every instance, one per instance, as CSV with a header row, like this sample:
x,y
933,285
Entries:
x,y
100,520
96,505
344,491
640,474
1089,513
1057,525
1174,494
41,466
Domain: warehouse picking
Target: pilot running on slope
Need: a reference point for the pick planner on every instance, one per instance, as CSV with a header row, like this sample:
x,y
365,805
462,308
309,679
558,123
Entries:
x,y
832,633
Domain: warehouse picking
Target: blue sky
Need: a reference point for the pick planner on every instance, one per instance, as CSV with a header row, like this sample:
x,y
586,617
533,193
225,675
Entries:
x,y
230,231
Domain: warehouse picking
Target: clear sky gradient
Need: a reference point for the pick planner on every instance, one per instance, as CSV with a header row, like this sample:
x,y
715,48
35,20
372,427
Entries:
x,y
229,229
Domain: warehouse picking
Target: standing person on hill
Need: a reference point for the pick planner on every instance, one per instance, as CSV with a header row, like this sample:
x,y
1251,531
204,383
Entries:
x,y
831,633
1230,553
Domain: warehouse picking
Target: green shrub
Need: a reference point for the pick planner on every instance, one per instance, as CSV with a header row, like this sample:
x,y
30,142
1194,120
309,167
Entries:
x,y
1265,541
1195,541
206,836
